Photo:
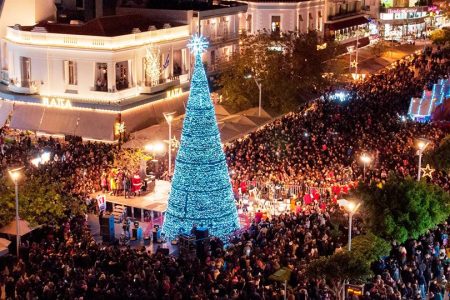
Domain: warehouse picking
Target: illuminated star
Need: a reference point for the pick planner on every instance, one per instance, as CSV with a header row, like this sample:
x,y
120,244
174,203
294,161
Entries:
x,y
427,171
354,64
175,143
198,44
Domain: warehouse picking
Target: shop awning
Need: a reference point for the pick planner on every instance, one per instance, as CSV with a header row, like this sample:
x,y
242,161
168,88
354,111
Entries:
x,y
139,118
5,110
150,114
59,121
360,20
27,116
11,228
97,125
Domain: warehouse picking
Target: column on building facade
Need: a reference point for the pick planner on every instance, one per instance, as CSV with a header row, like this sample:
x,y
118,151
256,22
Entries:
x,y
111,73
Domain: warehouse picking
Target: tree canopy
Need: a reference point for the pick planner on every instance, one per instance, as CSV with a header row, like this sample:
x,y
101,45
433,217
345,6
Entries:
x,y
440,36
404,208
439,157
290,68
370,247
339,267
41,201
130,159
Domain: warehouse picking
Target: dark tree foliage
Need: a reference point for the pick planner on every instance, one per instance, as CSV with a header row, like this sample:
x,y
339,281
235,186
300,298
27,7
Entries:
x,y
404,208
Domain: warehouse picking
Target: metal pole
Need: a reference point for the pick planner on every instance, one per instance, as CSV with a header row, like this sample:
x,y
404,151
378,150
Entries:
x,y
170,149
364,173
350,216
16,184
343,290
260,91
420,166
356,55
350,64
285,289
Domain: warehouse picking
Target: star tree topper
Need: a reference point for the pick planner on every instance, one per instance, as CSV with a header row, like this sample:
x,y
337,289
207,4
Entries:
x,y
427,171
354,64
198,44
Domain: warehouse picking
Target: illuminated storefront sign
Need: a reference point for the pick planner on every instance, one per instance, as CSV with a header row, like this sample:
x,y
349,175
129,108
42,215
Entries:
x,y
174,93
56,102
401,10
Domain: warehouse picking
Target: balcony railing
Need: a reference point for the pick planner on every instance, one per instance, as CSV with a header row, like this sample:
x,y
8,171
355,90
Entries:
x,y
222,38
159,85
27,87
97,42
345,15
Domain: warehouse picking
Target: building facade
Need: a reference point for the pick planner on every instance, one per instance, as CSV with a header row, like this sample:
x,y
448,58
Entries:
x,y
346,22
402,20
219,23
284,16
335,20
87,78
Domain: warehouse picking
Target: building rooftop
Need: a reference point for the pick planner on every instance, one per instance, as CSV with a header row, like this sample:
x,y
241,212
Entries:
x,y
196,5
109,26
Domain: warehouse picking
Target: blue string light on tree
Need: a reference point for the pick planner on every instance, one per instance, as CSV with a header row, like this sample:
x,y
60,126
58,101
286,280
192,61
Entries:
x,y
201,191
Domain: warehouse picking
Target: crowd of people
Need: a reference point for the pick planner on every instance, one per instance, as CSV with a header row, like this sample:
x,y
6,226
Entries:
x,y
82,168
68,264
319,145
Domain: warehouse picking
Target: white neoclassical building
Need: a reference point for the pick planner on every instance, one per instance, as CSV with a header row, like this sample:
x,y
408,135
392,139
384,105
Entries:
x,y
284,16
334,20
86,79
107,59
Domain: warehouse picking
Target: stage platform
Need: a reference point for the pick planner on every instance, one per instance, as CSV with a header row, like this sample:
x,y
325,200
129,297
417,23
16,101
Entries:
x,y
154,202
146,226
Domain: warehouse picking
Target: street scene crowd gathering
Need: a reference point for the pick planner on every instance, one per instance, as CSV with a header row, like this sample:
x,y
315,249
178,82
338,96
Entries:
x,y
317,146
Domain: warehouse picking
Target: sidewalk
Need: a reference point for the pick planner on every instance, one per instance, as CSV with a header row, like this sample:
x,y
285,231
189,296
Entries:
x,y
369,63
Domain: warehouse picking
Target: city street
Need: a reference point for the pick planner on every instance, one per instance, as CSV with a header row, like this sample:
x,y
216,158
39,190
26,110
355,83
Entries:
x,y
369,63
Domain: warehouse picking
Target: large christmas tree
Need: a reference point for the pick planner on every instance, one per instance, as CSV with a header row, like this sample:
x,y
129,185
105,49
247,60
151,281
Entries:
x,y
201,191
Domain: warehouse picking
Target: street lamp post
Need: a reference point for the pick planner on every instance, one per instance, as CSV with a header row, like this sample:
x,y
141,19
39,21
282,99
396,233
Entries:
x,y
15,175
350,50
421,145
356,52
154,148
351,209
365,160
259,84
169,118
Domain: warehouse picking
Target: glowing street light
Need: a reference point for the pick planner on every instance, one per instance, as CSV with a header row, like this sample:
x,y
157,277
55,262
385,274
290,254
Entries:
x,y
365,160
36,161
350,50
157,147
351,208
148,147
421,145
169,118
45,157
15,175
